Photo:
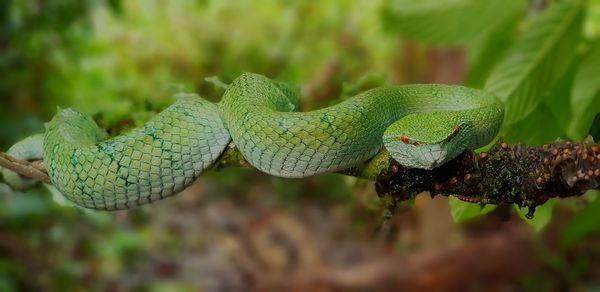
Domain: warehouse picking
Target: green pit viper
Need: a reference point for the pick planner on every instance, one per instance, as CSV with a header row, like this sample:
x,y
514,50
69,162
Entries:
x,y
422,126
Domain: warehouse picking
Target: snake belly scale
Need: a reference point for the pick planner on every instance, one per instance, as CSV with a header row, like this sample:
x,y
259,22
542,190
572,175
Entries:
x,y
422,126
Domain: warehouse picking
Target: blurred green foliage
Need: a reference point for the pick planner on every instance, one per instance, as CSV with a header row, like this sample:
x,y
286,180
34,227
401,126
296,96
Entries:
x,y
120,60
542,66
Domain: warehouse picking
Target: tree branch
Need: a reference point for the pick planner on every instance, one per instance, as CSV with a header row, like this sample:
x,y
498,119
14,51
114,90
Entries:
x,y
508,174
524,175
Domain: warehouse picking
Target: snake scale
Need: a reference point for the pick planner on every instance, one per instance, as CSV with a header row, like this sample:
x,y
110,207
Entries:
x,y
422,126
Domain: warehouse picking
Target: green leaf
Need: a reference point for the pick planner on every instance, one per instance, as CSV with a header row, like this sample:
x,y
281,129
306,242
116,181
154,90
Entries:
x,y
28,205
585,95
449,22
463,211
542,216
558,102
541,126
584,223
552,115
537,59
484,55
595,128
7,283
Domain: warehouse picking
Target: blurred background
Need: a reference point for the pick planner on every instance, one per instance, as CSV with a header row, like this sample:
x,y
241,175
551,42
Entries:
x,y
238,229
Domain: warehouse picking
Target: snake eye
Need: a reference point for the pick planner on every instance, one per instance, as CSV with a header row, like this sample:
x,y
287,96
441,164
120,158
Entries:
x,y
404,139
456,129
407,141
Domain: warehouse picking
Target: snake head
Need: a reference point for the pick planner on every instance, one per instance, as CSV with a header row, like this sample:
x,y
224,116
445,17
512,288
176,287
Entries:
x,y
426,140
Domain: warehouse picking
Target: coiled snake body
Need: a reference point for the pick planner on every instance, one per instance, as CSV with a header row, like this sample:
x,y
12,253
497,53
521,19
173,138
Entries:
x,y
422,126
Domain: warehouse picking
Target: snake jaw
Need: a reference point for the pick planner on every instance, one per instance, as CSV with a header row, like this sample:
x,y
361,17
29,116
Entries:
x,y
414,153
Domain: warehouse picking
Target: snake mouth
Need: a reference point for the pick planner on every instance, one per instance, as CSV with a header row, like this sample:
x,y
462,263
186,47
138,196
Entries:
x,y
415,142
439,158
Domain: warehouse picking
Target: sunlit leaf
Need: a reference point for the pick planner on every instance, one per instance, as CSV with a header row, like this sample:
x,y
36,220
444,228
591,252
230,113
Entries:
x,y
595,128
550,118
584,223
537,59
542,215
558,102
463,211
449,22
484,55
541,126
585,96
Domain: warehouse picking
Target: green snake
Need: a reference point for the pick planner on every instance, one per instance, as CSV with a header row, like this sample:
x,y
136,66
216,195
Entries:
x,y
422,126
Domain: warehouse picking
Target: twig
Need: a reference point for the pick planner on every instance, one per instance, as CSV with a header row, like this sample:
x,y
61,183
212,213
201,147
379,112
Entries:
x,y
34,170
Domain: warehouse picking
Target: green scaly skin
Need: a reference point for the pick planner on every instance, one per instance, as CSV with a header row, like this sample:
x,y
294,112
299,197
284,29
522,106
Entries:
x,y
422,126
149,163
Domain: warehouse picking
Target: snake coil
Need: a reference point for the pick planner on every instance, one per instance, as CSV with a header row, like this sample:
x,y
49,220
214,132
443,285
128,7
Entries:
x,y
422,126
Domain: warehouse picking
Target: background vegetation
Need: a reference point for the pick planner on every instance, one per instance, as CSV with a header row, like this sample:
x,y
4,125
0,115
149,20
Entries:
x,y
122,60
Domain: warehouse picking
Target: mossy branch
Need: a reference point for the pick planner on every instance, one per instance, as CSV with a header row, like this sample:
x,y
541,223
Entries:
x,y
524,175
507,174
